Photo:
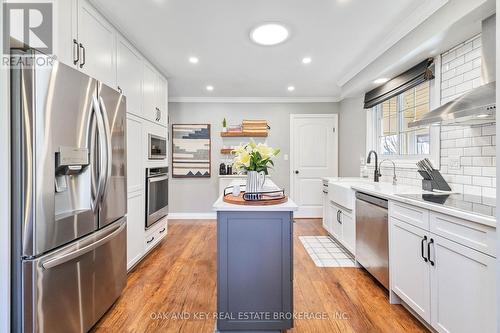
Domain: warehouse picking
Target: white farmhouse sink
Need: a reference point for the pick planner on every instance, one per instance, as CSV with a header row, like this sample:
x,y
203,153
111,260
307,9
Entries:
x,y
340,191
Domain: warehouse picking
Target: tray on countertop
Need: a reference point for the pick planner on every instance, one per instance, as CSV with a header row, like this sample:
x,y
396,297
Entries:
x,y
263,199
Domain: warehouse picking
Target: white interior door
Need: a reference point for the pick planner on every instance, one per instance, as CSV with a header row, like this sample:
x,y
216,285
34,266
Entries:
x,y
314,154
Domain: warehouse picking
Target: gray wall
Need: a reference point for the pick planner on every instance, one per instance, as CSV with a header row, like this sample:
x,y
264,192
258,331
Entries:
x,y
190,195
352,136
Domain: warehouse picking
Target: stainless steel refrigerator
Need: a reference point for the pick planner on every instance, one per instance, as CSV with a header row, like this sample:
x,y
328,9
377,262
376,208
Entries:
x,y
69,200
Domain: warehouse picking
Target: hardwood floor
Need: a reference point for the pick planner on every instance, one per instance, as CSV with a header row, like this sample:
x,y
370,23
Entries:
x,y
179,277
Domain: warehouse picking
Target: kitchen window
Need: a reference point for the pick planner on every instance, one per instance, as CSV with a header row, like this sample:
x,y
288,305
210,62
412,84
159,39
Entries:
x,y
392,135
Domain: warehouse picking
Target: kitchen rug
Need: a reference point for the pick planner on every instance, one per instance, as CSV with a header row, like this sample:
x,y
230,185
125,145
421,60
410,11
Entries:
x,y
325,252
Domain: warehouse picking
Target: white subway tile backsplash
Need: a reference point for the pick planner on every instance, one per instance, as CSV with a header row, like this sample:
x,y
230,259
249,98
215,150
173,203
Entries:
x,y
481,181
473,146
472,74
476,42
448,56
472,55
462,143
480,141
488,151
489,171
472,131
463,87
473,190
472,151
472,171
483,161
489,129
464,161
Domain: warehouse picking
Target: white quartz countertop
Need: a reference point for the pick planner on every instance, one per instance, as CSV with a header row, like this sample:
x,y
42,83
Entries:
x,y
392,192
269,185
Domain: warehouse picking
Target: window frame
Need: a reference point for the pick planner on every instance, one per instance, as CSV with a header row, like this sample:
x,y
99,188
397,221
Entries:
x,y
409,161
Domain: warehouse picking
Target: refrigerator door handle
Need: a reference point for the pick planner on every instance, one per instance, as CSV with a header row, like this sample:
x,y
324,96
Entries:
x,y
81,251
108,145
101,132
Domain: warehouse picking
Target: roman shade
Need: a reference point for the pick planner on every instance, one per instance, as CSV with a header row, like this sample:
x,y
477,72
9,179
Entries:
x,y
416,75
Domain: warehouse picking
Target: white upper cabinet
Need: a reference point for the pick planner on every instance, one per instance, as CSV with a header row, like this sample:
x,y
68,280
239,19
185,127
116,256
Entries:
x,y
149,93
161,95
96,43
129,75
154,96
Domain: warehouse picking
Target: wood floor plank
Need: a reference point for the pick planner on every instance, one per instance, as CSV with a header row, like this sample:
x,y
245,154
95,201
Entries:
x,y
179,278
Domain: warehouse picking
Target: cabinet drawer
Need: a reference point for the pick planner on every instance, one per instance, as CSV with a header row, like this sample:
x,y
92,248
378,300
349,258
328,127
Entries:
x,y
410,214
155,235
471,234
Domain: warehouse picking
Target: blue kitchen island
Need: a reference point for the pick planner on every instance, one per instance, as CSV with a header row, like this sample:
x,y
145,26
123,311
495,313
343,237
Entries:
x,y
254,266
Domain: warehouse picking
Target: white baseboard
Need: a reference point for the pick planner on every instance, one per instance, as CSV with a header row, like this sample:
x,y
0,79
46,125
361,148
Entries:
x,y
192,216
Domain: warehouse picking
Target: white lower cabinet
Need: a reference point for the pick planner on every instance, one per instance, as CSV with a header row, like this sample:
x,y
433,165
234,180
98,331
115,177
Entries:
x,y
463,288
410,277
135,228
449,285
341,224
348,231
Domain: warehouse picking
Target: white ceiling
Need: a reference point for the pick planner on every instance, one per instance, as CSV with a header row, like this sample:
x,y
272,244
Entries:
x,y
341,36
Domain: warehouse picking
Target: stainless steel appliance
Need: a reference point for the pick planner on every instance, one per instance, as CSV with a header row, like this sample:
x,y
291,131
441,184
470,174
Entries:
x,y
372,236
478,105
69,197
156,194
157,147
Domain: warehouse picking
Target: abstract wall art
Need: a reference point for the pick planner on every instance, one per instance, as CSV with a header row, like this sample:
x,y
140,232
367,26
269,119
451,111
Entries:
x,y
191,151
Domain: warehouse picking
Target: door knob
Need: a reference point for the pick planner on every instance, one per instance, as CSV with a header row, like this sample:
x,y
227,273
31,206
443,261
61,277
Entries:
x,y
296,172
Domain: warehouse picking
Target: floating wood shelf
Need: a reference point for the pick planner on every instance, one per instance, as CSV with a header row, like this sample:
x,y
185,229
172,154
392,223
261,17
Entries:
x,y
226,151
242,134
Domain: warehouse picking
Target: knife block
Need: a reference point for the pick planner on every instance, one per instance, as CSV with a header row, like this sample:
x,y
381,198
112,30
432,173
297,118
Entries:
x,y
434,181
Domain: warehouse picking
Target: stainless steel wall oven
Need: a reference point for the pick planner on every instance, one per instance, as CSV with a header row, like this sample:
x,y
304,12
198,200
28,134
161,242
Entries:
x,y
156,194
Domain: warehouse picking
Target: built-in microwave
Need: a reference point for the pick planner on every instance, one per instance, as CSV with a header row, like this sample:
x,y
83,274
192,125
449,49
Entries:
x,y
157,147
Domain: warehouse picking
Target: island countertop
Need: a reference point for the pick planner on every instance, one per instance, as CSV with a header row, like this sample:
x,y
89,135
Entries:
x,y
269,185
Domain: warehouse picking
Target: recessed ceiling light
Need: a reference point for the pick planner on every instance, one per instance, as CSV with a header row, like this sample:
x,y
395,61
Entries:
x,y
306,60
291,88
269,34
209,88
381,80
193,60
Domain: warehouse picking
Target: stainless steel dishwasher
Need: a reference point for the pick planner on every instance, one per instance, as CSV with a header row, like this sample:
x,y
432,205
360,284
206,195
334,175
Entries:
x,y
372,236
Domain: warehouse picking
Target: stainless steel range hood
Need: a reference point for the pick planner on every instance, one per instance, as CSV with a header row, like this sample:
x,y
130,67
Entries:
x,y
478,105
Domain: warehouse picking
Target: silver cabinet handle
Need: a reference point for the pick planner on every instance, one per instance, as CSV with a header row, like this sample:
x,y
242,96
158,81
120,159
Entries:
x,y
83,55
79,252
157,179
76,52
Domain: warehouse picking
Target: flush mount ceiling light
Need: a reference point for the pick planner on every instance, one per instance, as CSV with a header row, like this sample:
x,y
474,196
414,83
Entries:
x,y
291,88
306,60
381,80
209,88
269,34
194,60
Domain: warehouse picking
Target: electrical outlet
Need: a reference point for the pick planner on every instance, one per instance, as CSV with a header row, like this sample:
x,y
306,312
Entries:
x,y
285,157
454,163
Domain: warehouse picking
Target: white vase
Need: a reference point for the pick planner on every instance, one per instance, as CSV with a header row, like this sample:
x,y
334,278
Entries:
x,y
255,181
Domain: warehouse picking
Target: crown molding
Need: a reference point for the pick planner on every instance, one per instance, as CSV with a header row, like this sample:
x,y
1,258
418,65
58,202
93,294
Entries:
x,y
253,99
403,28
